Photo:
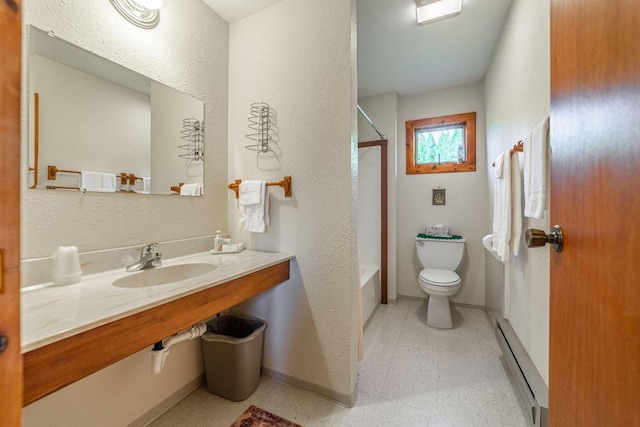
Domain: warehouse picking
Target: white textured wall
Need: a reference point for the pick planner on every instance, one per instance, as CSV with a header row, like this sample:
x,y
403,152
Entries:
x,y
464,211
188,51
299,57
383,112
517,88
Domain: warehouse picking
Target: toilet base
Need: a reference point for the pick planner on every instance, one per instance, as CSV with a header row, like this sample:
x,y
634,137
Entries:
x,y
439,313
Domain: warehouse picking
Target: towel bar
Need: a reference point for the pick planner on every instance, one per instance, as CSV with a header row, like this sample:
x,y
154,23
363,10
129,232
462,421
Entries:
x,y
176,188
133,178
59,187
53,170
518,148
285,184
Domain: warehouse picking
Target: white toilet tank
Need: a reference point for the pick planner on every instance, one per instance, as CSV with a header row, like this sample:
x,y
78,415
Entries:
x,y
443,254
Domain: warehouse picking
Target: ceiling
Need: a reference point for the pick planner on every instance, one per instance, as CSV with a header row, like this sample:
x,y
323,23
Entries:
x,y
233,10
397,55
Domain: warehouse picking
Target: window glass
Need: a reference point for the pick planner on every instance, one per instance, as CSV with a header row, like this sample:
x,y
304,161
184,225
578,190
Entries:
x,y
440,144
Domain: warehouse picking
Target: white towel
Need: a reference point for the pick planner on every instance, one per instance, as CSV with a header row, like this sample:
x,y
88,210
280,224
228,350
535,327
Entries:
x,y
254,217
250,192
99,182
143,186
146,185
502,206
516,204
535,170
191,189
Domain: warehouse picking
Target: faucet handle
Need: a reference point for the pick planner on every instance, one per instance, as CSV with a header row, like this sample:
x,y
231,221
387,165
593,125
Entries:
x,y
147,249
157,259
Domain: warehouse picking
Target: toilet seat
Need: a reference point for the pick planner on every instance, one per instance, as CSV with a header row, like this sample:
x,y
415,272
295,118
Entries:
x,y
438,277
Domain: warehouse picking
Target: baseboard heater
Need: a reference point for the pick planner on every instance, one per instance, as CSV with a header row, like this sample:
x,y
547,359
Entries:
x,y
530,384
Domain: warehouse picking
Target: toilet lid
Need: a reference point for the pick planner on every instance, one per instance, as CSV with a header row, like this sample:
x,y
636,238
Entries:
x,y
442,277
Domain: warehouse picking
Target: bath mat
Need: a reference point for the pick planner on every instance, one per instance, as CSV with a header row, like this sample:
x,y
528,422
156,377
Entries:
x,y
257,417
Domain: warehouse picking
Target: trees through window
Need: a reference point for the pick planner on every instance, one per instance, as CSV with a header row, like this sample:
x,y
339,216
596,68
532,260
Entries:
x,y
441,144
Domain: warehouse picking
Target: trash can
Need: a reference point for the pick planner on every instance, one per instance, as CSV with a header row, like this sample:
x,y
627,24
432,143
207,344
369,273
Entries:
x,y
232,348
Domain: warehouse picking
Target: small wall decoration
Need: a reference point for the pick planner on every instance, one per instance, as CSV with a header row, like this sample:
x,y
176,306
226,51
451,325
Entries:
x,y
438,196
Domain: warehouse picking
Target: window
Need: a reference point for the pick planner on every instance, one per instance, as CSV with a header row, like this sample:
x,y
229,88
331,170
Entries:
x,y
442,144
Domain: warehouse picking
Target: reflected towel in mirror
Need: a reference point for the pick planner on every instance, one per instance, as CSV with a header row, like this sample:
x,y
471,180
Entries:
x,y
191,190
97,182
143,186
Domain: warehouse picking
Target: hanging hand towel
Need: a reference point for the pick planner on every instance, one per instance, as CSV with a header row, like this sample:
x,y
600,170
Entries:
x,y
535,170
191,190
250,192
516,204
254,216
98,182
502,206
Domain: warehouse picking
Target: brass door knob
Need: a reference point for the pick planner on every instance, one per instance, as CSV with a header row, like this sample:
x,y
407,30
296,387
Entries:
x,y
538,238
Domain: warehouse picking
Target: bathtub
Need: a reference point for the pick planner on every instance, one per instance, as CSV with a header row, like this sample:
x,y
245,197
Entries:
x,y
370,283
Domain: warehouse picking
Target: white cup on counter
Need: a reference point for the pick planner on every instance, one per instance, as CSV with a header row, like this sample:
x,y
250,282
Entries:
x,y
66,266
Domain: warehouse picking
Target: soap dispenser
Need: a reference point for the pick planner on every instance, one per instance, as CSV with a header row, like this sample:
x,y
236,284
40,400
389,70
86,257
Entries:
x,y
217,241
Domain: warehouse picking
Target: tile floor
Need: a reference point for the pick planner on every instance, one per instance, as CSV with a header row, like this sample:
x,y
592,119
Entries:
x,y
412,376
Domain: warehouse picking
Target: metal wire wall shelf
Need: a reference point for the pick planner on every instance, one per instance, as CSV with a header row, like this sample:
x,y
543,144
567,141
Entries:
x,y
193,136
261,121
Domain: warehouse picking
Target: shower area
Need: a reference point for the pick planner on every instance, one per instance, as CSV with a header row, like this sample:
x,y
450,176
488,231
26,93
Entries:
x,y
372,221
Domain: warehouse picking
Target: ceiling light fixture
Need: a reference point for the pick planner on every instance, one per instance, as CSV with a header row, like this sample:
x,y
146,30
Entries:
x,y
142,13
434,10
150,4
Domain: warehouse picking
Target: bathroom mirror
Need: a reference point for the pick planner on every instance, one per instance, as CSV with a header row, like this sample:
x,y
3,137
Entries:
x,y
91,119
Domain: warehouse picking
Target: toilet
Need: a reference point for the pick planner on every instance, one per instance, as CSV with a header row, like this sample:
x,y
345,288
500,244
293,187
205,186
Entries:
x,y
439,258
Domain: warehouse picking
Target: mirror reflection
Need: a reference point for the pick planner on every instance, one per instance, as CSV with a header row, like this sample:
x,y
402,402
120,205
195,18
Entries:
x,y
96,126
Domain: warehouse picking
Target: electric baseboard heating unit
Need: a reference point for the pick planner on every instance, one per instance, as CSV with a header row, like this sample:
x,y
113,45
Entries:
x,y
530,384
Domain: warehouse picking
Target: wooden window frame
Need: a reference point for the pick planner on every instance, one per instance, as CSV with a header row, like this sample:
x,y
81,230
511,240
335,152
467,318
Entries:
x,y
469,165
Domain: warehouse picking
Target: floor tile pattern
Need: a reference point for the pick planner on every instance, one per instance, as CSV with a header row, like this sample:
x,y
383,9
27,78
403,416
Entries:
x,y
412,375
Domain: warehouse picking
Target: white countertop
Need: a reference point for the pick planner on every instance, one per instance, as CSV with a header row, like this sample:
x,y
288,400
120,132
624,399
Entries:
x,y
52,313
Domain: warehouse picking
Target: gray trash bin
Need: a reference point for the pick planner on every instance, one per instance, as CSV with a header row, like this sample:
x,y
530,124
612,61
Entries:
x,y
232,349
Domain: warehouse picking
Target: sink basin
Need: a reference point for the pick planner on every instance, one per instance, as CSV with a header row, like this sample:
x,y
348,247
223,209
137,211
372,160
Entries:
x,y
164,275
487,242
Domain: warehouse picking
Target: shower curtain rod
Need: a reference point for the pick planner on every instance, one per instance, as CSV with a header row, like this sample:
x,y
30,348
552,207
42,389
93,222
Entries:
x,y
370,122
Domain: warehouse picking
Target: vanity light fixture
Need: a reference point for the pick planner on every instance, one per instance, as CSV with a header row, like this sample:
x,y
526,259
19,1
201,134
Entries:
x,y
142,13
434,10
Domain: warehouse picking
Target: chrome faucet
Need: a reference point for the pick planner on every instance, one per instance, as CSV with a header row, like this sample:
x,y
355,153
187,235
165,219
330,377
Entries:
x,y
148,258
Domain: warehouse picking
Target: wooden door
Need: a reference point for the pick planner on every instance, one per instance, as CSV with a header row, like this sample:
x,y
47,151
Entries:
x,y
10,358
594,377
